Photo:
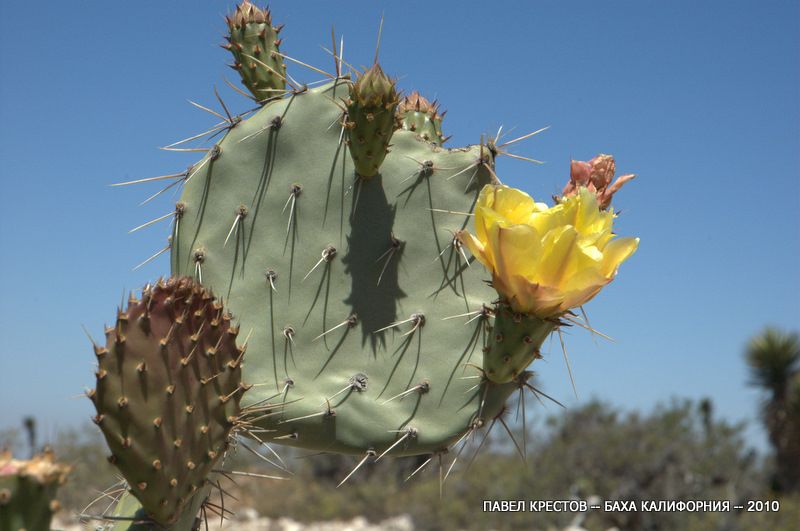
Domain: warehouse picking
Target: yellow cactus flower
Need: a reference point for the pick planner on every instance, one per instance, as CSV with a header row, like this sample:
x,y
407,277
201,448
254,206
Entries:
x,y
546,260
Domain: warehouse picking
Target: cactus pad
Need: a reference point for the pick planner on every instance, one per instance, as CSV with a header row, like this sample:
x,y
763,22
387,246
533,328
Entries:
x,y
514,343
168,392
367,318
254,43
370,119
416,113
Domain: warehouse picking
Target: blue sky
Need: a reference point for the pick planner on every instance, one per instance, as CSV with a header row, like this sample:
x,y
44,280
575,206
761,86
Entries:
x,y
700,99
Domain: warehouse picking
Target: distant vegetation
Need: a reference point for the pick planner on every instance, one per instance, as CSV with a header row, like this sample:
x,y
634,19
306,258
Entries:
x,y
679,451
774,361
676,452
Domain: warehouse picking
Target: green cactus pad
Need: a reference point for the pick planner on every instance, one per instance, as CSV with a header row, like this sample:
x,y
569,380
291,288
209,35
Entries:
x,y
348,287
416,113
514,343
28,491
254,43
168,392
370,119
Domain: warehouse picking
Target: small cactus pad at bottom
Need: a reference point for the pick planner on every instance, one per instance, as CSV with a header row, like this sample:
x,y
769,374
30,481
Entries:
x,y
168,391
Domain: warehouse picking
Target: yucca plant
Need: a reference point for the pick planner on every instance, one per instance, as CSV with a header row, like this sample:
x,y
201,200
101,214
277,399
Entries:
x,y
773,357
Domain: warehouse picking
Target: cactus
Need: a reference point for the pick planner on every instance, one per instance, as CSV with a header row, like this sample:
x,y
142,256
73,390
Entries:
x,y
336,228
127,514
416,113
168,392
254,43
369,119
28,491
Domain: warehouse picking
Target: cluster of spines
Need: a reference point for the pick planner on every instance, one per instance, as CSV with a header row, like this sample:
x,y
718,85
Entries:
x,y
168,392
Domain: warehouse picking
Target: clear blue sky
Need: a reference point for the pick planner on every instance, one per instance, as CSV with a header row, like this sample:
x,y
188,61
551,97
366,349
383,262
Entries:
x,y
700,99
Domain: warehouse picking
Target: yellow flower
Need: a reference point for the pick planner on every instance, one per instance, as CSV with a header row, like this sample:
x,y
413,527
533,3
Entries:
x,y
546,260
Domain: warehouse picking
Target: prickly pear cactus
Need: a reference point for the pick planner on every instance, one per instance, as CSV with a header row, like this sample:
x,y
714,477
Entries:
x,y
338,231
168,391
28,491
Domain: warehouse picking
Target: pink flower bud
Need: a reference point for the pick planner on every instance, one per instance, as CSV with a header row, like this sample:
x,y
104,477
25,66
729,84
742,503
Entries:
x,y
595,175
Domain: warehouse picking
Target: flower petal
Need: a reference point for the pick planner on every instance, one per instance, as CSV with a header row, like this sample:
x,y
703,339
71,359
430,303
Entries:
x,y
588,216
515,205
616,252
583,287
518,251
475,247
557,247
537,299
